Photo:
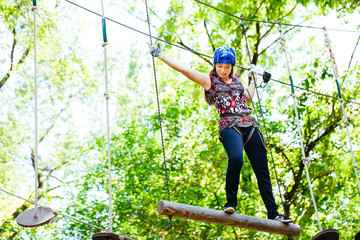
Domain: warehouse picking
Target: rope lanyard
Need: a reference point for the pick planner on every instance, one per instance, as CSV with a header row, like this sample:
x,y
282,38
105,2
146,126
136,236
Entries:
x,y
107,97
159,113
33,9
346,123
305,159
262,114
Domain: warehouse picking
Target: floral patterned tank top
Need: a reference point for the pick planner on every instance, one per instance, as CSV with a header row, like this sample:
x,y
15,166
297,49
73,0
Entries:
x,y
229,98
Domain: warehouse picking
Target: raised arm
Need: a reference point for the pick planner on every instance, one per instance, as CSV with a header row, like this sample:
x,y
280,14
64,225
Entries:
x,y
200,78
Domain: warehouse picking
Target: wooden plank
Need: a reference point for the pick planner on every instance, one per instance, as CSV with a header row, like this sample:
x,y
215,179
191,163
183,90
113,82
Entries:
x,y
234,220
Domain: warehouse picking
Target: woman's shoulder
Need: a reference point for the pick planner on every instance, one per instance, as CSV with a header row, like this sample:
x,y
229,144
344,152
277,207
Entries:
x,y
237,80
214,79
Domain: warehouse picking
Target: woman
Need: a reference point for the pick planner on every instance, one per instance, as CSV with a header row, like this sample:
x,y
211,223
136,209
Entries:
x,y
238,129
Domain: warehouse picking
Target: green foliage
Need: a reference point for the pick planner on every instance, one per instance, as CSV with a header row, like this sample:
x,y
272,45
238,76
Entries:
x,y
73,156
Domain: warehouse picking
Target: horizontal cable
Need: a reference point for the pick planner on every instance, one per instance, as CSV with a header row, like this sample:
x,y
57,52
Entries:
x,y
269,22
314,92
198,53
62,214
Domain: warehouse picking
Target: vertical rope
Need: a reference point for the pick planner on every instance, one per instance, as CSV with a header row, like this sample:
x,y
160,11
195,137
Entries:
x,y
305,159
107,97
262,115
159,113
33,9
341,100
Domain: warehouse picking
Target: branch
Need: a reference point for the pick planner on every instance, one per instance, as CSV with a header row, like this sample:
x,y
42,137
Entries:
x,y
16,66
205,59
287,14
327,131
323,175
290,195
254,14
255,54
277,38
287,160
209,36
13,48
268,31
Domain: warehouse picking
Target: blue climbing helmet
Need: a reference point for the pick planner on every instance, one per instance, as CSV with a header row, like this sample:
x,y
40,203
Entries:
x,y
224,54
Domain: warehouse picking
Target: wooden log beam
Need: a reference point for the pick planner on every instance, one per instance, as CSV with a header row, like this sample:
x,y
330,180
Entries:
x,y
234,220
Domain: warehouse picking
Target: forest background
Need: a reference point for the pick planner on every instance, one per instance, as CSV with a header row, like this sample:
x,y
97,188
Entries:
x,y
72,124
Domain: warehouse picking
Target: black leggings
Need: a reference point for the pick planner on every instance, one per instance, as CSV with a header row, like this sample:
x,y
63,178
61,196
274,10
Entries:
x,y
256,152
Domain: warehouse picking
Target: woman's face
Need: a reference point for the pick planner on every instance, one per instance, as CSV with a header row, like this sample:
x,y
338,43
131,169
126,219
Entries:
x,y
223,69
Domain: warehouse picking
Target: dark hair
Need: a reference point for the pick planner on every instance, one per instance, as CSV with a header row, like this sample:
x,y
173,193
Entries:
x,y
214,73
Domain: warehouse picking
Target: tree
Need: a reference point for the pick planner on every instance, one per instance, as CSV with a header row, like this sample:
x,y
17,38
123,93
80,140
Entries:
x,y
196,162
57,92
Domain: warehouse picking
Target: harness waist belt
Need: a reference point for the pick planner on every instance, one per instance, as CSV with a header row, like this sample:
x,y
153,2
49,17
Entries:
x,y
229,115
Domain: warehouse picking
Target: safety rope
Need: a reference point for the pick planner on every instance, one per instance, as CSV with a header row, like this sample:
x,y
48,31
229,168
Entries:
x,y
56,212
33,9
262,114
346,123
305,159
107,97
201,54
159,113
273,23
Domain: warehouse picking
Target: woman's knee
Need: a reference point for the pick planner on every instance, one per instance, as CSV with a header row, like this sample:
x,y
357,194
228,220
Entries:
x,y
235,161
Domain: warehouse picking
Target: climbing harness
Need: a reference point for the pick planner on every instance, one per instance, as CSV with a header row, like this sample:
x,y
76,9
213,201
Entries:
x,y
232,124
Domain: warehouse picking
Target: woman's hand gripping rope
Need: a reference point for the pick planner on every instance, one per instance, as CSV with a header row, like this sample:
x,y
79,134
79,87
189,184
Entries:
x,y
253,73
156,51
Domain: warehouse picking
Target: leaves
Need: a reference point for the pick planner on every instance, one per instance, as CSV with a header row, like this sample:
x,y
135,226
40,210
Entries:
x,y
73,160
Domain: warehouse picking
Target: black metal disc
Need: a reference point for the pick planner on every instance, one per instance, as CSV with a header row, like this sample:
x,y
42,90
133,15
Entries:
x,y
29,219
327,234
357,235
109,236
